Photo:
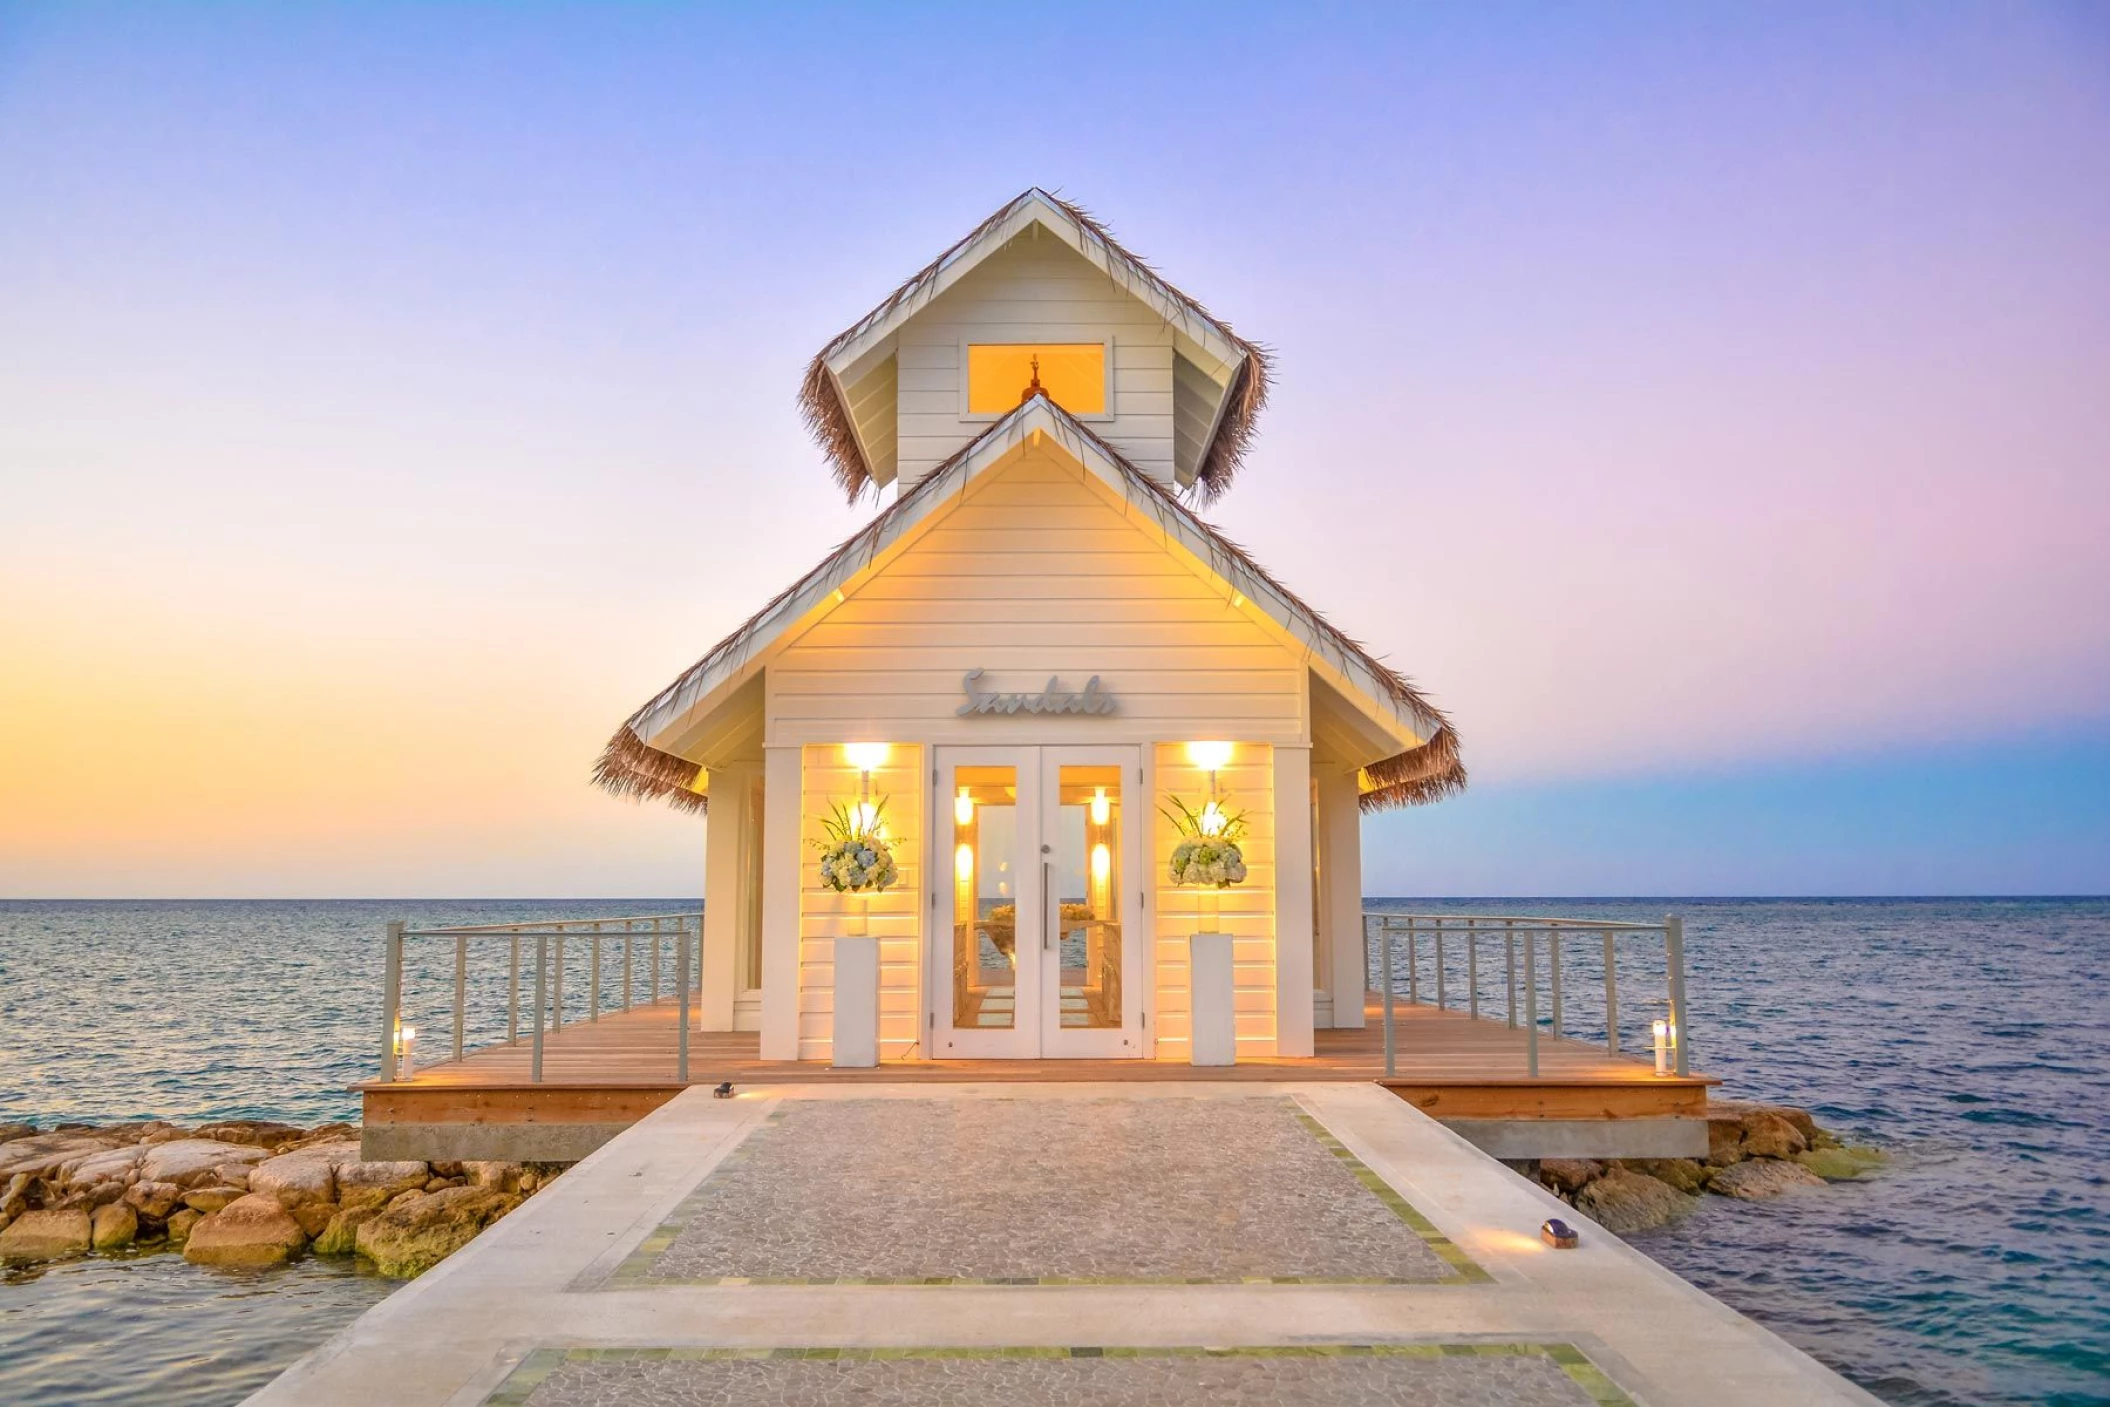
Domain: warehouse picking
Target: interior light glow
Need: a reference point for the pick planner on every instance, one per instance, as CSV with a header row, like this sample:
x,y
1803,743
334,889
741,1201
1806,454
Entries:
x,y
1212,818
1102,808
1210,757
1102,862
865,757
963,809
963,863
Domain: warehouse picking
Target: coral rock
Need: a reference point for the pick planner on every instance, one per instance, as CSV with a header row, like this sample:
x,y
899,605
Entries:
x,y
1766,1177
1569,1174
194,1162
211,1199
1687,1175
360,1184
1624,1202
295,1178
1767,1135
180,1224
41,1236
155,1200
252,1230
1842,1162
416,1233
313,1216
341,1236
113,1227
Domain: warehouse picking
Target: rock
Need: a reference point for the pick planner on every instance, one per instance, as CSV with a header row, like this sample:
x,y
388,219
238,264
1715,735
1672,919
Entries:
x,y
257,1133
154,1199
1767,1135
437,1184
362,1183
1725,1139
313,1216
42,1155
194,1162
180,1224
419,1232
341,1236
41,1236
1762,1178
167,1135
494,1176
113,1227
1684,1174
296,1178
1843,1162
232,1175
15,1200
211,1199
103,1165
10,1132
1569,1174
251,1230
1624,1202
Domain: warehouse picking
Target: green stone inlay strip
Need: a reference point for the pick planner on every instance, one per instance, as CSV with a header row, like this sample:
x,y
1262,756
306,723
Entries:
x,y
520,1385
1463,1268
637,1269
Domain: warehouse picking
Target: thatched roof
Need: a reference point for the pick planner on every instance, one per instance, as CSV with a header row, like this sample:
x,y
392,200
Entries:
x,y
1428,772
820,395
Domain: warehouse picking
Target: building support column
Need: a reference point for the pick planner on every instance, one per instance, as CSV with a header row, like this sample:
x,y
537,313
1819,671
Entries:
x,y
1341,899
783,806
724,840
1293,901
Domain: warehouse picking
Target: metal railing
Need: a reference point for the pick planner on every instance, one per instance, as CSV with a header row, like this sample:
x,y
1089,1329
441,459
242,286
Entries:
x,y
1521,938
651,938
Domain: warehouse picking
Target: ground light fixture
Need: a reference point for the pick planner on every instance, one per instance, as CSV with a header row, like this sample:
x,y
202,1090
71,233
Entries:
x,y
1558,1234
406,1051
1666,1042
724,1091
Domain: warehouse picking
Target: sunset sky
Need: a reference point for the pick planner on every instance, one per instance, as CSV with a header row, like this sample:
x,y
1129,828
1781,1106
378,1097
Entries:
x,y
1708,405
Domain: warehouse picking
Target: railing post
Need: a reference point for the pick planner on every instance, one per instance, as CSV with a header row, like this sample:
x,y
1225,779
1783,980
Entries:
x,y
513,995
1441,1004
653,986
556,1015
1384,936
1413,964
1472,967
1509,946
681,980
1366,959
391,997
461,988
626,967
1531,1002
1553,973
593,980
1674,944
1611,995
541,999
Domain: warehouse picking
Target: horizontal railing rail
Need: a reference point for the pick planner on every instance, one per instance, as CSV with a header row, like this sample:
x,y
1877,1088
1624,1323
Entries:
x,y
676,935
1522,937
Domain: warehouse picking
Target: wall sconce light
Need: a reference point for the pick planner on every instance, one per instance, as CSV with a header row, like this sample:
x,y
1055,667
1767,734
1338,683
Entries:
x,y
1559,1235
865,757
1102,808
1102,862
963,808
1210,757
1666,1042
963,863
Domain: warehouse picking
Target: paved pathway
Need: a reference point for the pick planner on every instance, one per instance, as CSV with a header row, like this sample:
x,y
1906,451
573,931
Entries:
x,y
1270,1246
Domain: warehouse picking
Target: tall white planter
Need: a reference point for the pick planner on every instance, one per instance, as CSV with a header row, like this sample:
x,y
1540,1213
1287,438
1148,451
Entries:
x,y
1215,1029
856,1003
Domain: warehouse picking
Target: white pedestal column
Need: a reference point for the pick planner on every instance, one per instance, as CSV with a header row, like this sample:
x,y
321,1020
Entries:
x,y
1215,1025
856,1003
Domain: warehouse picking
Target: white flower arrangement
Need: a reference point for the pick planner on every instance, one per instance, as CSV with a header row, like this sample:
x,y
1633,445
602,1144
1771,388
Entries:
x,y
1207,856
855,856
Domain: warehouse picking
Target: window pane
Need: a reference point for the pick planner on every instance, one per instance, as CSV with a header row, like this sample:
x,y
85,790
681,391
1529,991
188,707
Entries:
x,y
1073,375
1087,877
985,898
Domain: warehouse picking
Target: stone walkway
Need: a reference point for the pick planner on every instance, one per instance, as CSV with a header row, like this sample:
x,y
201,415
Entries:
x,y
1253,1245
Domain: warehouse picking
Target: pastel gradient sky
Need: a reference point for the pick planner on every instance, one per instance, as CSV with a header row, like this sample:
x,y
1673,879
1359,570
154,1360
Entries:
x,y
1708,404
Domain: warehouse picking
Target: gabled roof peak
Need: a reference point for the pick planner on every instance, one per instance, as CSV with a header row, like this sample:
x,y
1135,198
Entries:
x,y
1243,363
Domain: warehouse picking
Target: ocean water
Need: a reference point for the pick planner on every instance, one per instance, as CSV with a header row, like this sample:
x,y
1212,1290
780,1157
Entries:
x,y
1970,1038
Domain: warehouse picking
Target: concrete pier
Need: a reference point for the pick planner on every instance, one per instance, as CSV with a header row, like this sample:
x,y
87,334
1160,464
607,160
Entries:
x,y
1030,1242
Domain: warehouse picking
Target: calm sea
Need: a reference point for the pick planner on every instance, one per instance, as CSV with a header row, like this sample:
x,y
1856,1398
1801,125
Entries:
x,y
1969,1037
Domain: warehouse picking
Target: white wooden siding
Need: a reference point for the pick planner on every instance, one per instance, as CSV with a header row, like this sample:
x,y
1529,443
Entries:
x,y
1035,572
1246,911
895,917
1034,290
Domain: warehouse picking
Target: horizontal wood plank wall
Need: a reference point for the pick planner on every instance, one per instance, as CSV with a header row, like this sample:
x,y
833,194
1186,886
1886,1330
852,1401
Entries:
x,y
894,917
1246,911
1034,290
1036,571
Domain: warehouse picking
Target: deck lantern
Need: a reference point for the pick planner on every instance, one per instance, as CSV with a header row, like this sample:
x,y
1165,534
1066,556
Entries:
x,y
406,1051
1666,1042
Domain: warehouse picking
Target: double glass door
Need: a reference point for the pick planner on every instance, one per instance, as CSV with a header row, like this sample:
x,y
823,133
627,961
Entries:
x,y
1039,908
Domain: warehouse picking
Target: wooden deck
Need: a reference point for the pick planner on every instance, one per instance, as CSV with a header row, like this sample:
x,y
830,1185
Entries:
x,y
621,1067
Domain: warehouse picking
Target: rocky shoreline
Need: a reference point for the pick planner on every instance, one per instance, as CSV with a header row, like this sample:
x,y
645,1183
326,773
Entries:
x,y
242,1193
1754,1152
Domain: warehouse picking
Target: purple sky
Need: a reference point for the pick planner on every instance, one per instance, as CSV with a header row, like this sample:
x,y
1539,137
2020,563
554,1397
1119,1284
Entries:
x,y
1696,403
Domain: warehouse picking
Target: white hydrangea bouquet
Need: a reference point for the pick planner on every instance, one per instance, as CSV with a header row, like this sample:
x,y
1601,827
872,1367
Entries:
x,y
1207,856
855,856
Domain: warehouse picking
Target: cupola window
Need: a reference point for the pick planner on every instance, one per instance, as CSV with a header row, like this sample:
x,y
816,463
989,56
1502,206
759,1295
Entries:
x,y
1072,374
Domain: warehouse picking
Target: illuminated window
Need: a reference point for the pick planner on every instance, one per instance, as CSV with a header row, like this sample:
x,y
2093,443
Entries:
x,y
1072,373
